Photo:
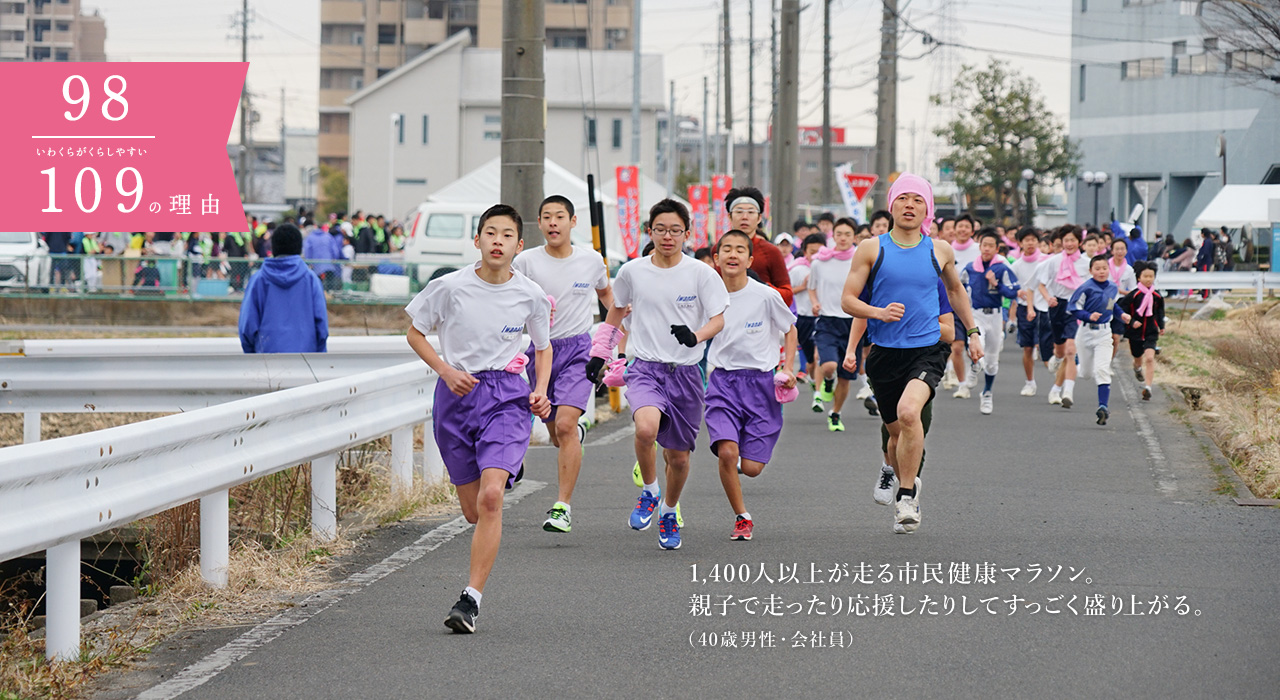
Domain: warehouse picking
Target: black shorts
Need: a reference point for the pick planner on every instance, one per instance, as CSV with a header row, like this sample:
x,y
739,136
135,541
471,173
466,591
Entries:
x,y
804,334
889,370
831,336
1138,346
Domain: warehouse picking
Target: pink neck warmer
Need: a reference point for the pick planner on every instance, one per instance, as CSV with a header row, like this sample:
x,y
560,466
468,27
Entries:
x,y
963,246
1148,299
1067,274
825,253
978,264
1115,271
1035,257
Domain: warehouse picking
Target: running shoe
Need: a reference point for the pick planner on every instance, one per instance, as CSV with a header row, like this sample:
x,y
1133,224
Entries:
x,y
1028,389
1137,373
886,486
642,516
827,393
668,532
1103,414
864,392
741,529
679,517
559,520
1067,399
636,477
1146,393
802,377
872,407
986,403
817,403
462,618
972,380
949,378
1055,396
1054,363
834,424
962,392
906,517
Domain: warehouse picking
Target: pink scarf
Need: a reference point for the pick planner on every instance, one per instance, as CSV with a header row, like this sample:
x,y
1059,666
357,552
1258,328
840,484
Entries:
x,y
801,261
1148,299
962,246
977,264
1034,257
825,253
1116,272
1067,274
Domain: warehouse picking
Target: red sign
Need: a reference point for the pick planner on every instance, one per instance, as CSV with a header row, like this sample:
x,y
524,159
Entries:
x,y
100,147
700,212
812,135
720,186
628,196
861,183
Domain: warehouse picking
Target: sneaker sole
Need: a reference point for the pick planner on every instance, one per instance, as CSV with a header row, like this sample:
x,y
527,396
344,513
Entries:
x,y
552,528
902,529
1067,403
872,407
669,549
458,625
740,538
642,529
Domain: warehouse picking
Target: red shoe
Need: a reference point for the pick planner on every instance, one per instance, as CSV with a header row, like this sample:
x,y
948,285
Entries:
x,y
802,377
742,529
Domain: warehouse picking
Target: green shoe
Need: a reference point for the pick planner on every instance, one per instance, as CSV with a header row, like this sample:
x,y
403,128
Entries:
x,y
834,424
635,476
559,520
827,391
679,518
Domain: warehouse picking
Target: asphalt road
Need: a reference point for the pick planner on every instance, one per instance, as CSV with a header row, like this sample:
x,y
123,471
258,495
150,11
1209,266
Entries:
x,y
1062,514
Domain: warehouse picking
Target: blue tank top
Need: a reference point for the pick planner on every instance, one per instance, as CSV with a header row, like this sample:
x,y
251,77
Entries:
x,y
908,276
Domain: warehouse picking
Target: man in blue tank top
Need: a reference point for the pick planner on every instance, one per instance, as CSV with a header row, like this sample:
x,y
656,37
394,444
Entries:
x,y
908,358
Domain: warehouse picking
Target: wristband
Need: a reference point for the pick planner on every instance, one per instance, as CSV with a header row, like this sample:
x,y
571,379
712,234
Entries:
x,y
605,340
972,332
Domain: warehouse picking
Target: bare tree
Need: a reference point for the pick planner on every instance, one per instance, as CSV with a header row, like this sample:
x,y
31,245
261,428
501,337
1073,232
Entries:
x,y
1248,33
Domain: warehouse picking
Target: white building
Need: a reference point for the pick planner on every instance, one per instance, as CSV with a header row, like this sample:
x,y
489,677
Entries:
x,y
448,101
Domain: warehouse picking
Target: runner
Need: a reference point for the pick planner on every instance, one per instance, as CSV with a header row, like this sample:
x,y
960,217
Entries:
x,y
1060,275
908,357
482,404
830,268
744,206
575,278
990,282
1092,304
1033,309
805,319
744,415
1125,278
1144,322
966,251
670,295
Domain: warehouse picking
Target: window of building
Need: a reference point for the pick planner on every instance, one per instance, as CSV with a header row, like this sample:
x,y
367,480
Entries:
x,y
386,33
12,8
493,119
384,71
1248,60
61,55
1081,98
493,135
1133,3
425,129
12,35
1179,48
357,37
1084,6
1142,69
415,9
616,141
357,82
591,133
567,38
436,9
41,53
1205,63
334,123
62,26
615,39
1190,8
811,166
400,131
1211,44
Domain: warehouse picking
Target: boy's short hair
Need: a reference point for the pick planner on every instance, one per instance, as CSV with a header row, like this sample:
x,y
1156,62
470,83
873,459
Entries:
x,y
286,240
862,228
670,206
846,221
557,199
988,232
502,210
736,232
799,224
965,217
648,248
880,214
827,216
1024,233
1142,266
1098,259
702,253
942,221
737,192
1093,237
813,239
1069,230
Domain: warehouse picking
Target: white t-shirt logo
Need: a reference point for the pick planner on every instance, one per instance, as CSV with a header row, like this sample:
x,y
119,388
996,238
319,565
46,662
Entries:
x,y
509,332
687,301
754,326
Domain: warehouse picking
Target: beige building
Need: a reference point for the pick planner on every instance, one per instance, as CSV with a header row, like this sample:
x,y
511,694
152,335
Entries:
x,y
50,30
363,40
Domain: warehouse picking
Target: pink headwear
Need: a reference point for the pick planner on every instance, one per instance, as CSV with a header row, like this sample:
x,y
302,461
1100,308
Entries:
x,y
914,184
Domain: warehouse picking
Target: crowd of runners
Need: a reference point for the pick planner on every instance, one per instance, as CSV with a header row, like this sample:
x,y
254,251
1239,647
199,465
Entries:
x,y
899,306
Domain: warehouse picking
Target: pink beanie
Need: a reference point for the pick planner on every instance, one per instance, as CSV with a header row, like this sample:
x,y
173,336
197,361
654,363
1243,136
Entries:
x,y
914,184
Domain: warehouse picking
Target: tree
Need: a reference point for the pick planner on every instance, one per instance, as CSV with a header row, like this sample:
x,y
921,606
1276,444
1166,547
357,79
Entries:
x,y
1248,33
1003,127
333,186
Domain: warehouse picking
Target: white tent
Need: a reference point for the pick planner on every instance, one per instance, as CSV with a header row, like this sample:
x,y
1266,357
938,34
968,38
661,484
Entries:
x,y
483,185
1237,205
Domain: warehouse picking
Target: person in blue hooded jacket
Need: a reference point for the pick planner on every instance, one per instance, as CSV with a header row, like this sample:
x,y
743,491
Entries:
x,y
283,308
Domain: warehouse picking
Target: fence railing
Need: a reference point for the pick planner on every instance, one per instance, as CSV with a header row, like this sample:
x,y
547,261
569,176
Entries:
x,y
55,493
1259,282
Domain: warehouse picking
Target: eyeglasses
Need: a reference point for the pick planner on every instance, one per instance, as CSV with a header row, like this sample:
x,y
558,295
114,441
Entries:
x,y
663,232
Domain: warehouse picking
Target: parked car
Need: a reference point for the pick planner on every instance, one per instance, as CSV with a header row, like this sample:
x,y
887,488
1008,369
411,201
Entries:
x,y
24,261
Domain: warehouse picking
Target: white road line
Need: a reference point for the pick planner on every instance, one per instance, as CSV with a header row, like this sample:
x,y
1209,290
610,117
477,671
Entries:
x,y
206,669
1166,481
616,436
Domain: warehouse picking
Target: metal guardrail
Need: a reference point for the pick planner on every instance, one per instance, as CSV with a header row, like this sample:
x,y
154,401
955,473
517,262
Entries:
x,y
55,493
1257,281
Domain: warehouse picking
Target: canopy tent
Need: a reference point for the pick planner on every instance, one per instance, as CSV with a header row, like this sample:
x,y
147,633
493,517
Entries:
x,y
484,184
1238,205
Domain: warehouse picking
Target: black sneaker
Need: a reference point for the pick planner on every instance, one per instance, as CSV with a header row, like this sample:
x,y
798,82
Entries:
x,y
1137,373
1103,414
1146,393
518,477
870,404
828,385
462,618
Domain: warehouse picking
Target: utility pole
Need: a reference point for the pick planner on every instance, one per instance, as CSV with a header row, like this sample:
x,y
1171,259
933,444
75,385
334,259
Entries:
x,y
887,104
702,160
635,83
244,103
727,167
785,131
524,126
773,98
828,173
751,91
673,135
715,144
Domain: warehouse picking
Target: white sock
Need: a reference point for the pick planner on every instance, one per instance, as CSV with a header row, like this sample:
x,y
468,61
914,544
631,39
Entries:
x,y
476,595
652,489
1147,387
1057,387
564,505
664,509
744,515
886,468
1068,385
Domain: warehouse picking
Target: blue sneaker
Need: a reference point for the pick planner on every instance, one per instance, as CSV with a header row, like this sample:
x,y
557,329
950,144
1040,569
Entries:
x,y
642,516
668,532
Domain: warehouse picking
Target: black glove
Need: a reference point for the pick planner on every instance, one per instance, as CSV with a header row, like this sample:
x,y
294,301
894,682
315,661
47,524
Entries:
x,y
684,335
594,365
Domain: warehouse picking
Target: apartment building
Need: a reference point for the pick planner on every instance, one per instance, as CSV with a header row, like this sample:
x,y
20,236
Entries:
x,y
50,30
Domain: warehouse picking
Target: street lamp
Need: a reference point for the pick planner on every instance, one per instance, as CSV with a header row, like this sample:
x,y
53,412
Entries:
x,y
1030,176
391,165
1095,180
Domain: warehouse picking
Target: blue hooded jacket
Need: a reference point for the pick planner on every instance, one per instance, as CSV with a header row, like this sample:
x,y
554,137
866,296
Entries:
x,y
283,309
318,245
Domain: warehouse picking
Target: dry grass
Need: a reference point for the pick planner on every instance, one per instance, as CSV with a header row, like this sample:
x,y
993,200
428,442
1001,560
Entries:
x,y
1231,369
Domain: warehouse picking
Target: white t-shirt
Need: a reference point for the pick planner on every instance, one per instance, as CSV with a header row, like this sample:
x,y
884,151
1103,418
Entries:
x,y
1127,282
753,324
571,281
826,279
1028,274
799,275
689,294
481,325
966,256
1049,274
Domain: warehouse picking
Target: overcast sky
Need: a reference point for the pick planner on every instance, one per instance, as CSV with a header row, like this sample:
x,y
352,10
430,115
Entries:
x,y
1033,36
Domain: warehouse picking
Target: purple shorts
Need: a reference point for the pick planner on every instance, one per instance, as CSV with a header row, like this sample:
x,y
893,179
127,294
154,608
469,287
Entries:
x,y
742,407
488,428
676,390
569,385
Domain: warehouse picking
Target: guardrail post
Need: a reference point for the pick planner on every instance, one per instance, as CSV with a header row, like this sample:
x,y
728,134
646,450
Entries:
x,y
214,538
432,463
62,601
1258,282
324,497
402,460
31,427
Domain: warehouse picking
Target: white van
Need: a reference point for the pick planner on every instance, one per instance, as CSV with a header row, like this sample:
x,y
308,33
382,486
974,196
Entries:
x,y
440,238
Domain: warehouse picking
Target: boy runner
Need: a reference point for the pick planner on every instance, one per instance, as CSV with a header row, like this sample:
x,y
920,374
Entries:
x,y
670,295
907,358
1124,276
1144,322
1092,304
744,416
966,251
1060,275
1032,313
990,282
575,278
805,319
482,404
830,269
